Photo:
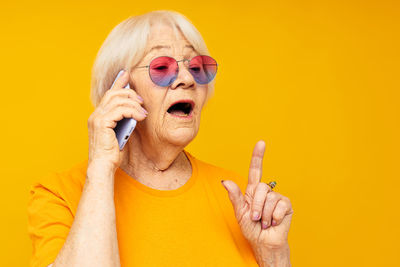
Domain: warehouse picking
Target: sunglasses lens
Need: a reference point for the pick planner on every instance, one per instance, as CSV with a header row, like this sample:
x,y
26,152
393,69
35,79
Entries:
x,y
203,69
163,71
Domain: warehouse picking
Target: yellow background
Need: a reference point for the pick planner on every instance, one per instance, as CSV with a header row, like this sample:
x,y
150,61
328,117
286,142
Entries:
x,y
317,80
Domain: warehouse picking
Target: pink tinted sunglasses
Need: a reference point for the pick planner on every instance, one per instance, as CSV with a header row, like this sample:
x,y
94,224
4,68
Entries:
x,y
163,70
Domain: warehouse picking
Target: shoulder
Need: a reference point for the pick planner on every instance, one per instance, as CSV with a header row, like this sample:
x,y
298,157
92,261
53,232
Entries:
x,y
53,200
64,185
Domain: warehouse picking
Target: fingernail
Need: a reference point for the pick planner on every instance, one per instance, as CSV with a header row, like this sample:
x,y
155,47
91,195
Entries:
x,y
256,215
140,98
264,225
222,182
145,111
273,222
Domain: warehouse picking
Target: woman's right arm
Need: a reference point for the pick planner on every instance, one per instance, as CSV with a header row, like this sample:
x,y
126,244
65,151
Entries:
x,y
92,239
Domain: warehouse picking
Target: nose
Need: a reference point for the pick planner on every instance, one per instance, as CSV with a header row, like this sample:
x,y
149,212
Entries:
x,y
185,78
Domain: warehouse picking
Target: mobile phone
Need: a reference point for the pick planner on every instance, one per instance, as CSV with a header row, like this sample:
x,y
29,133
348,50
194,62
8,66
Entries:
x,y
124,127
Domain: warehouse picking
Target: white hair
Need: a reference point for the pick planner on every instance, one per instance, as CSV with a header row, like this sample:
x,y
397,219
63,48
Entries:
x,y
125,47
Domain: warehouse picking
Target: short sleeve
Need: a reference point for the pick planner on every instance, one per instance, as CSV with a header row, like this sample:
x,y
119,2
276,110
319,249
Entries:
x,y
49,222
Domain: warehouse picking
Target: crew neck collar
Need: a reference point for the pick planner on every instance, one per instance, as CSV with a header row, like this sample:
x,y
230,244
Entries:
x,y
162,193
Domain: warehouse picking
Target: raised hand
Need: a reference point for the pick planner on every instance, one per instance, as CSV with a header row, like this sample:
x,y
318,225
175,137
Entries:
x,y
264,216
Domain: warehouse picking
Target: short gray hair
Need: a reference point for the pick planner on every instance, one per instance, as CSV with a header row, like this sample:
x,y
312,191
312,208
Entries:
x,y
125,47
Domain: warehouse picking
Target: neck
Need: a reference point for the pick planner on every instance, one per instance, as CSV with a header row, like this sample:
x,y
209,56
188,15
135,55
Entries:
x,y
145,157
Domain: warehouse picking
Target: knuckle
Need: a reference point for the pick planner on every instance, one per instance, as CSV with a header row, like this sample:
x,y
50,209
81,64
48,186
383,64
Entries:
x,y
90,120
137,103
268,207
129,111
240,214
134,114
104,98
114,98
278,214
132,93
138,109
257,207
272,196
257,204
283,204
264,186
113,124
121,102
247,197
278,217
287,200
107,93
97,123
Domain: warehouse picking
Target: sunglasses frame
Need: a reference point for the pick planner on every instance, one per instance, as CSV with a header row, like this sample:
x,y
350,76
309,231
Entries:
x,y
177,62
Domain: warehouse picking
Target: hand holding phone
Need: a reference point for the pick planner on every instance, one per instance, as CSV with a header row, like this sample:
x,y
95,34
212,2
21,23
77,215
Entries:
x,y
124,127
112,122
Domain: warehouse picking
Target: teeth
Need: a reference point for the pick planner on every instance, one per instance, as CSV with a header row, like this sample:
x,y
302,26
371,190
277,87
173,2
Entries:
x,y
179,113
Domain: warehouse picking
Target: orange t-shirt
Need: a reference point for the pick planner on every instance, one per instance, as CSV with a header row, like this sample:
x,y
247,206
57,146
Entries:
x,y
193,225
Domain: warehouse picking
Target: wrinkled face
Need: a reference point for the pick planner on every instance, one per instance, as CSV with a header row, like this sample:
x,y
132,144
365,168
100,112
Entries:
x,y
174,111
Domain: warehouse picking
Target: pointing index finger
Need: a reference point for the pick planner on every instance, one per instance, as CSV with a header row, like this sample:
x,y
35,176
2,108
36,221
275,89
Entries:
x,y
255,170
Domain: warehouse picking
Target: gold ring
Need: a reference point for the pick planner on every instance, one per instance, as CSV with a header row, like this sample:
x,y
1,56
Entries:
x,y
272,184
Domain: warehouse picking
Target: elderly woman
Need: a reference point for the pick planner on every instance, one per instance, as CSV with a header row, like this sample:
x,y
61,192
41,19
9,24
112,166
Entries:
x,y
153,203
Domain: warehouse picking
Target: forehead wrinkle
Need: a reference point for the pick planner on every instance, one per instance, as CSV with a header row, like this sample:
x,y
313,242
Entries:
x,y
159,47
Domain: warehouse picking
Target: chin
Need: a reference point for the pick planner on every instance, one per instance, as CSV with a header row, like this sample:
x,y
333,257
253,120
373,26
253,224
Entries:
x,y
181,136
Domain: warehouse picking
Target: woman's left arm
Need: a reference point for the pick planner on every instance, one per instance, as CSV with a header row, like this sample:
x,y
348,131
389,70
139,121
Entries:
x,y
263,215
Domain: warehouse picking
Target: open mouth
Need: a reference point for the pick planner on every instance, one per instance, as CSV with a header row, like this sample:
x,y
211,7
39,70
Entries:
x,y
181,108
